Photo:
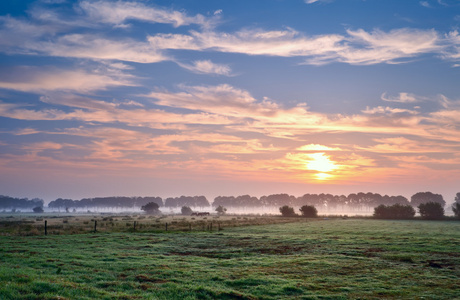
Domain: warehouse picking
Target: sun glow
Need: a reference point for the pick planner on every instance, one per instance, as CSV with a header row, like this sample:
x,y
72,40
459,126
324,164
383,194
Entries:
x,y
321,163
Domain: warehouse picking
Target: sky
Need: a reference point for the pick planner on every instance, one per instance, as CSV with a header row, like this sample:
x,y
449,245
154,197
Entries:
x,y
212,97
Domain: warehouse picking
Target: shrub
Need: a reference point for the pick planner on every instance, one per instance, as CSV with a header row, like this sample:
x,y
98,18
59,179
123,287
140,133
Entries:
x,y
186,211
396,211
287,211
221,210
151,208
38,209
309,211
431,210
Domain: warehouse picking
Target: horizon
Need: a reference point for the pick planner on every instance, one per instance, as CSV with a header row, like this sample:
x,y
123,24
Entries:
x,y
154,98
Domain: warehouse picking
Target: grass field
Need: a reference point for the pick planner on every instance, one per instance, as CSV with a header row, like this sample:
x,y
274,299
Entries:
x,y
318,259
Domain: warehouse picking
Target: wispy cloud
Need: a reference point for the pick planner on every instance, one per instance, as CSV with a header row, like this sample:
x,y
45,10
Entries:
x,y
358,47
43,35
317,147
34,79
402,98
118,12
425,4
207,67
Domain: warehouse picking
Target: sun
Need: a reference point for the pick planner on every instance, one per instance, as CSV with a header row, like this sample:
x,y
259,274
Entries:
x,y
321,163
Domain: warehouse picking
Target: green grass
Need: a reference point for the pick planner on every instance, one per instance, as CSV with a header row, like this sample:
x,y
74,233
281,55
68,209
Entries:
x,y
323,259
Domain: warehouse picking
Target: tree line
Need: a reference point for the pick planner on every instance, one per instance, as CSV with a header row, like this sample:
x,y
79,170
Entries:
x,y
354,201
7,202
430,207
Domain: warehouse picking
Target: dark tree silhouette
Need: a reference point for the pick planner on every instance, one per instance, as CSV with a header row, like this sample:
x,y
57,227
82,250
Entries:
x,y
309,211
221,210
277,200
431,210
287,211
192,201
151,208
456,209
104,202
38,209
396,211
7,202
425,197
456,206
186,211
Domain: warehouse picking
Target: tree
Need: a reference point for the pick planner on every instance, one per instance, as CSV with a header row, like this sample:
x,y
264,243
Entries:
x,y
431,210
38,209
221,210
456,209
456,206
425,197
186,211
396,211
309,211
287,211
151,208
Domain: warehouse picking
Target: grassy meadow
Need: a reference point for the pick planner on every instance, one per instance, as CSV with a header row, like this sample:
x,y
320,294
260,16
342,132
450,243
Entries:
x,y
257,258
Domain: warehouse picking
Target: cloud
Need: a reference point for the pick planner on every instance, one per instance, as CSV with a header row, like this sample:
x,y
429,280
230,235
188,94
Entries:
x,y
44,34
95,47
388,111
316,147
452,52
118,12
387,47
222,99
401,98
358,47
425,4
207,67
285,43
35,79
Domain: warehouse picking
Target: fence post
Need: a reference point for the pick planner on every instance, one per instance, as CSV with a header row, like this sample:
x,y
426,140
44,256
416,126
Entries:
x,y
218,226
166,226
95,226
46,229
134,225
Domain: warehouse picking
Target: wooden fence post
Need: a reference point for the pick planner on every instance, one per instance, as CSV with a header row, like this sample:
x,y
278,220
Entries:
x,y
46,229
95,226
134,225
166,226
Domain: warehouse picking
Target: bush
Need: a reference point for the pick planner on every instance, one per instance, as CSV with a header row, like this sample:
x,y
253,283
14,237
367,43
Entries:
x,y
287,211
309,211
186,211
221,210
431,210
38,209
396,211
151,208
